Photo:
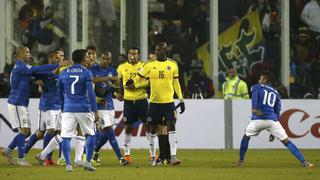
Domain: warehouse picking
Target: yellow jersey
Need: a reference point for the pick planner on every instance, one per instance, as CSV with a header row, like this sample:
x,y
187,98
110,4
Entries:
x,y
128,71
161,75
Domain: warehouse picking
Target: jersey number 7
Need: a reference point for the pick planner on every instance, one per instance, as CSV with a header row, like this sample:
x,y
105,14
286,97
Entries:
x,y
74,83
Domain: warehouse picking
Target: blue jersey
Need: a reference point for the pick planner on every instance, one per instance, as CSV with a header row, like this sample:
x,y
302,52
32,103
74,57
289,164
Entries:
x,y
267,100
110,71
49,99
75,89
20,81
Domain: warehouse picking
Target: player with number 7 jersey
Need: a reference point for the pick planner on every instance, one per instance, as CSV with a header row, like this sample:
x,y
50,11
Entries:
x,y
75,89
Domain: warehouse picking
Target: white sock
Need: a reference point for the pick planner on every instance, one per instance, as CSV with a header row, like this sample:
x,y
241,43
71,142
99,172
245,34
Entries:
x,y
173,140
152,144
79,147
55,141
126,145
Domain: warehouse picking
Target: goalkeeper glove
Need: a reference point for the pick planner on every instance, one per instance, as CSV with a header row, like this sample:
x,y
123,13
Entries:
x,y
182,107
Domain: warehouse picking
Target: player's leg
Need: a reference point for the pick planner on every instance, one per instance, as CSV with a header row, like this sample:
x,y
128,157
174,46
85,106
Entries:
x,y
243,148
277,130
68,128
38,135
79,146
154,118
170,117
129,117
52,122
86,122
164,145
53,144
254,127
100,137
19,118
142,110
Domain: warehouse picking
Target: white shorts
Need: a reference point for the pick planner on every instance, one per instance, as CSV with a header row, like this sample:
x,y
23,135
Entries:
x,y
106,118
19,116
49,120
256,126
69,122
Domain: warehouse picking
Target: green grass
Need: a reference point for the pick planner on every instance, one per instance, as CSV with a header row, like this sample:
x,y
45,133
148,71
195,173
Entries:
x,y
196,164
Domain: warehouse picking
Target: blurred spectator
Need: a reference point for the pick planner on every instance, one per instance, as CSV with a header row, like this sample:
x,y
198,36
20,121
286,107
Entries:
x,y
234,87
311,17
5,77
200,23
199,86
295,90
303,58
31,9
42,30
315,78
281,89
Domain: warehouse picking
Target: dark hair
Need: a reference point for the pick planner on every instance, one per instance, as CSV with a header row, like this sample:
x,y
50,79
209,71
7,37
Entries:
x,y
91,47
135,48
268,76
78,55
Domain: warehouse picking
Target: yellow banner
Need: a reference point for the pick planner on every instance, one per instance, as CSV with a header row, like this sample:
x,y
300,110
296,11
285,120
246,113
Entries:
x,y
237,45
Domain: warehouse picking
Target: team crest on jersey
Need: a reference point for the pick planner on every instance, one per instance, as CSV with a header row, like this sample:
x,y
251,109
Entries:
x,y
154,67
168,68
149,119
124,119
126,70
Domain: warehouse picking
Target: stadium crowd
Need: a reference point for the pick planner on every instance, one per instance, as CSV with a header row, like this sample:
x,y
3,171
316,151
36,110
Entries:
x,y
184,25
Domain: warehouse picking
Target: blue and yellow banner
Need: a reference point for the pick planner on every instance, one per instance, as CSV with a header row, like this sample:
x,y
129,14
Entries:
x,y
239,46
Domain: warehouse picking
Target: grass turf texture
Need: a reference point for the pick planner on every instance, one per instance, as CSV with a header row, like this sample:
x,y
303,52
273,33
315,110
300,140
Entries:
x,y
196,164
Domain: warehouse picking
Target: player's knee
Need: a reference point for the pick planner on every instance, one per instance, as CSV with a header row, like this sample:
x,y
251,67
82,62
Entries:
x,y
285,141
171,125
106,129
40,134
246,137
147,127
51,132
128,129
162,130
25,131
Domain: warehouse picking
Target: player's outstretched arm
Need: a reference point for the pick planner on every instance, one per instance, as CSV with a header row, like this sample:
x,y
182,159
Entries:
x,y
104,78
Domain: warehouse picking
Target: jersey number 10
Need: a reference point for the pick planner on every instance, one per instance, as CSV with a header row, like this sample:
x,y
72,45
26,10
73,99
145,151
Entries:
x,y
269,98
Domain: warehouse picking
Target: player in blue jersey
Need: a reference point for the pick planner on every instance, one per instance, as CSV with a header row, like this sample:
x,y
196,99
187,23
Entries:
x,y
50,109
266,106
18,102
75,89
105,105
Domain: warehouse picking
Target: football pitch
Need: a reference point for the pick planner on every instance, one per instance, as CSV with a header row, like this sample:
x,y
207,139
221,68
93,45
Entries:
x,y
196,164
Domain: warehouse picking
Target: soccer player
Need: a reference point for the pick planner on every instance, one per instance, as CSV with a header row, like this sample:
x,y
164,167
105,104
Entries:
x,y
135,98
18,102
164,81
75,89
266,108
104,91
50,109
